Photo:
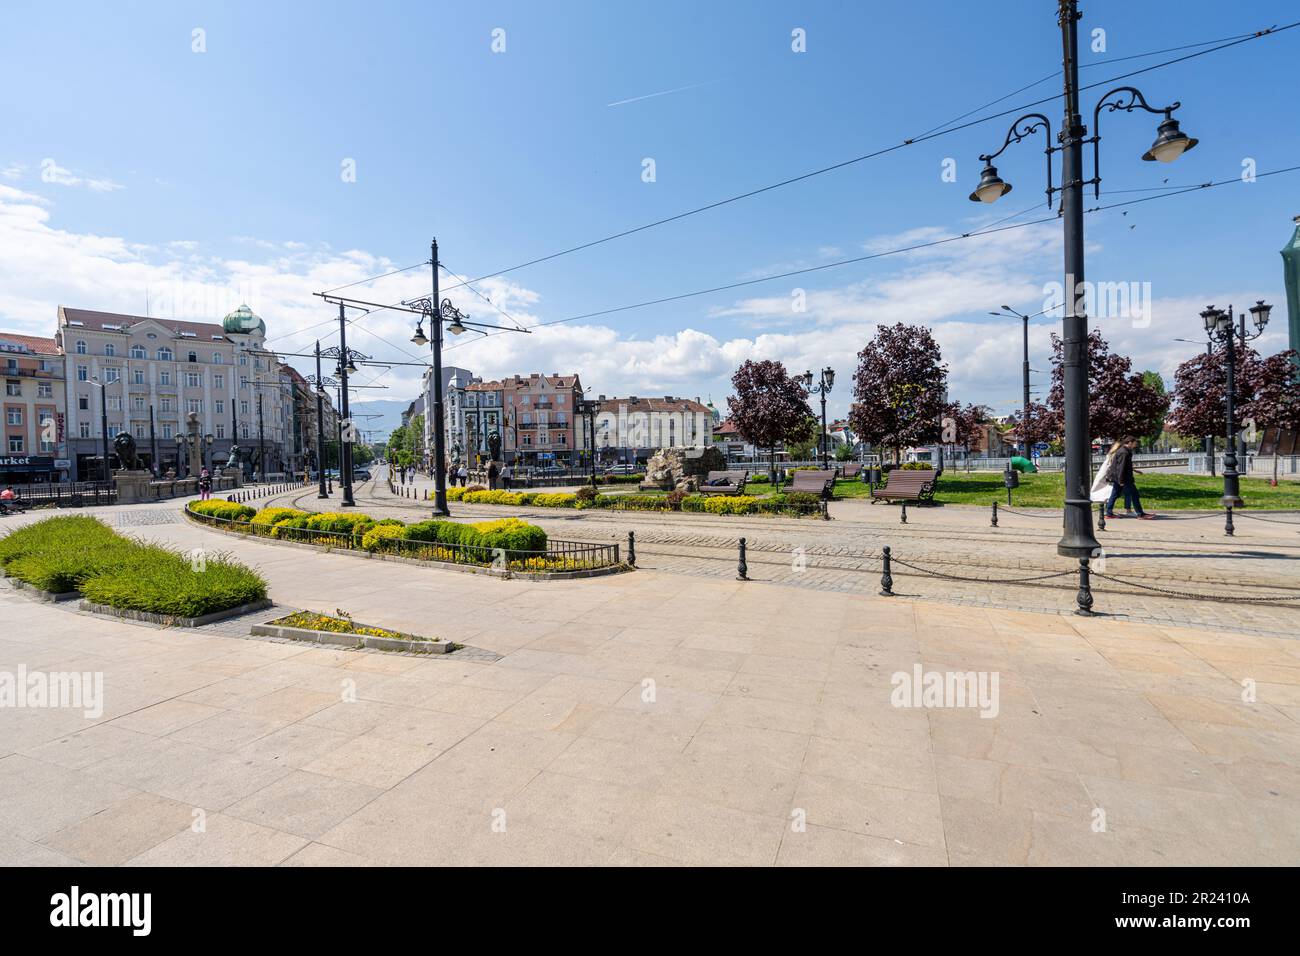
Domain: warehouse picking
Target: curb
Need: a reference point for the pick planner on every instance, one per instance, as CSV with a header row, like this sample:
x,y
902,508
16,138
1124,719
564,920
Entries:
x,y
352,640
168,620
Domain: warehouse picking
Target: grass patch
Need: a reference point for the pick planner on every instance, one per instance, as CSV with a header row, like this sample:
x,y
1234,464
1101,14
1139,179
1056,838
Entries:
x,y
1160,491
82,554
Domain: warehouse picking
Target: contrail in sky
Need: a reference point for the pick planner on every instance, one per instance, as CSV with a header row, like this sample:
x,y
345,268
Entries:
x,y
693,86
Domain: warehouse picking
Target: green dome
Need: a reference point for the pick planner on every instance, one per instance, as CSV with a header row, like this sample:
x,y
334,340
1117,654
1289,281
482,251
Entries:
x,y
242,321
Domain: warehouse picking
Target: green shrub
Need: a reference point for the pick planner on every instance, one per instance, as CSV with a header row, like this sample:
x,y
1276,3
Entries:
x,y
268,517
555,499
918,466
694,502
78,553
216,508
512,534
382,536
161,581
675,498
585,494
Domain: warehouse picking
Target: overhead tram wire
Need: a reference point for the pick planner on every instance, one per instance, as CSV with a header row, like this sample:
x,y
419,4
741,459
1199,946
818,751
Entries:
x,y
988,230
1084,66
1235,41
1228,42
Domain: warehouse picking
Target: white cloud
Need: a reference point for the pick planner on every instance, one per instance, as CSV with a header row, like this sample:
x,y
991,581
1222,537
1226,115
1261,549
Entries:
x,y
52,172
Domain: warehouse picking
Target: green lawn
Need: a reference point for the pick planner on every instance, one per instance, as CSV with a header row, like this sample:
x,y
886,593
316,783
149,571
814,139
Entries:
x,y
1161,491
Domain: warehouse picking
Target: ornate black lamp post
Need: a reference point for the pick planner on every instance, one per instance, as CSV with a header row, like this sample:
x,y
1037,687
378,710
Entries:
x,y
1078,540
208,439
587,407
320,384
1220,328
346,364
180,455
443,312
822,388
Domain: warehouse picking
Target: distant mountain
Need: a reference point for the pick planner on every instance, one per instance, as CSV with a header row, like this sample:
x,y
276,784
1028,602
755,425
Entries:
x,y
390,417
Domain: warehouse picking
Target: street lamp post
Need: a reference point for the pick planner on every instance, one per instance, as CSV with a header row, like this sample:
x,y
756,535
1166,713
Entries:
x,y
1221,327
1078,539
320,384
180,454
822,388
587,408
103,421
208,439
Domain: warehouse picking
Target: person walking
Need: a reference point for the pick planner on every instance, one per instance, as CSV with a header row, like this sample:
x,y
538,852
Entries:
x,y
464,475
1122,480
205,485
492,476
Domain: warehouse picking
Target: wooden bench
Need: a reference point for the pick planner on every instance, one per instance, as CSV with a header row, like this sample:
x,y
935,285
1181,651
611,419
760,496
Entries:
x,y
817,483
914,485
735,483
851,470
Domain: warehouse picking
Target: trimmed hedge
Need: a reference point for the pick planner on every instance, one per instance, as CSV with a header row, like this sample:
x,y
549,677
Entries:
x,y
82,554
229,510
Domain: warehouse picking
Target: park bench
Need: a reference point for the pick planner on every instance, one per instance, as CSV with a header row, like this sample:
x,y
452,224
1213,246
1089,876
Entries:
x,y
735,483
914,485
851,470
817,483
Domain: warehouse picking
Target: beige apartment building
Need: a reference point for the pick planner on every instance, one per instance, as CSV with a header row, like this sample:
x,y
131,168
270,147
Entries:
x,y
34,448
146,375
633,428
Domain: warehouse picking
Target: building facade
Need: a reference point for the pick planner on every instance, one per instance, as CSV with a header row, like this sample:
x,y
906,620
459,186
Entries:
x,y
35,446
146,375
539,415
633,429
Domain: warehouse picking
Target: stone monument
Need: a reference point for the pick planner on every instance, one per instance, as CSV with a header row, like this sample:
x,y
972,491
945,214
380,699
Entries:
x,y
682,469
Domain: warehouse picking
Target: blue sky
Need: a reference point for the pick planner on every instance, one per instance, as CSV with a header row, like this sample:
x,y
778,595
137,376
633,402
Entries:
x,y
132,165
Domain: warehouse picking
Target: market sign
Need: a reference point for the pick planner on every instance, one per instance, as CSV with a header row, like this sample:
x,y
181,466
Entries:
x,y
26,463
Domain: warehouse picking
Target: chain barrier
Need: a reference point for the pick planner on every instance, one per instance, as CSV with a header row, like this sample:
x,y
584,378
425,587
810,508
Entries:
x,y
957,577
1223,599
1242,514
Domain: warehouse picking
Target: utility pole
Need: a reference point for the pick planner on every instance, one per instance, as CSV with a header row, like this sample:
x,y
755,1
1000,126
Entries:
x,y
320,427
261,440
439,438
1078,539
1024,424
345,449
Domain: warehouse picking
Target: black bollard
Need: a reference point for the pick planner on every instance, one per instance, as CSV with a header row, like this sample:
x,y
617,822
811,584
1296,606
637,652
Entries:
x,y
1101,516
903,514
742,569
1228,527
631,548
1084,598
826,510
886,578
994,520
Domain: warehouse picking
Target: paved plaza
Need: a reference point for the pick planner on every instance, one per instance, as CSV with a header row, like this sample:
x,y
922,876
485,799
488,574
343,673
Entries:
x,y
672,715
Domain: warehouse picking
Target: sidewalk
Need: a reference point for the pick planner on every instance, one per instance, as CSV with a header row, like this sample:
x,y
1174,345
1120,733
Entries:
x,y
645,718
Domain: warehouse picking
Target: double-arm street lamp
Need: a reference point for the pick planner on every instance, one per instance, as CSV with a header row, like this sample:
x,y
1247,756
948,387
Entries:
x,y
346,364
588,407
822,388
1078,539
320,383
1221,328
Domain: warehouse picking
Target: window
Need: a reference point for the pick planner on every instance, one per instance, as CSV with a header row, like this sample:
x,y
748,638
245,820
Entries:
x,y
220,407
192,379
194,356
164,377
110,349
137,376
164,354
194,405
137,403
83,373
243,431
257,364
138,352
243,382
83,402
114,403
47,429
218,381
81,347
12,366
16,443
216,358
44,390
165,405
112,375
85,429
243,410
167,430
243,360
13,388
14,416
221,431
560,399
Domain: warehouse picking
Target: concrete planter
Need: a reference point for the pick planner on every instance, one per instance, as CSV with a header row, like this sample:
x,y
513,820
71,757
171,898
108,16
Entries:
x,y
407,642
166,620
49,597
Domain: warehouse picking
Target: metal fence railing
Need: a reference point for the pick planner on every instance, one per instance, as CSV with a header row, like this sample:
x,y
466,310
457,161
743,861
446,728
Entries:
x,y
69,494
558,555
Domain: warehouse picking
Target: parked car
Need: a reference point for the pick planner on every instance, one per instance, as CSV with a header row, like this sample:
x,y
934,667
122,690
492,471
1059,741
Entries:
x,y
360,474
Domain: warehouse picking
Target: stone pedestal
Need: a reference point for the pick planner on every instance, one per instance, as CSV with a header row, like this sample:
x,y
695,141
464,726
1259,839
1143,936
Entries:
x,y
133,487
679,468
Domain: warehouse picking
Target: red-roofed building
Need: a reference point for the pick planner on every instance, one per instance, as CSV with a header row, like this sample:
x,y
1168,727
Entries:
x,y
34,444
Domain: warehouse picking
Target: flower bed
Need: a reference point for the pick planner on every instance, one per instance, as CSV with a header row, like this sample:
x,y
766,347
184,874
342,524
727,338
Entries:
x,y
81,554
339,628
507,544
791,504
